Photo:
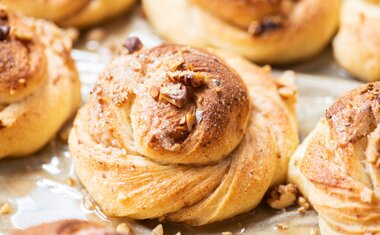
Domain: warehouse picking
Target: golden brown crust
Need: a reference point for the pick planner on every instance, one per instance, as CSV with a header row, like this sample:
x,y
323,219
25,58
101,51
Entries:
x,y
356,44
78,13
22,59
233,141
337,166
170,126
69,227
242,13
39,85
275,32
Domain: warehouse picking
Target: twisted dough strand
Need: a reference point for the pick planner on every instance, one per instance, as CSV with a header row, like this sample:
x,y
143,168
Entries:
x,y
180,133
338,168
273,32
39,86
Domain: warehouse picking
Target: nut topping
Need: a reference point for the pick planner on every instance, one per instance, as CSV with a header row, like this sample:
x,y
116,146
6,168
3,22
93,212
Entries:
x,y
194,79
176,94
133,44
4,32
269,23
190,121
282,196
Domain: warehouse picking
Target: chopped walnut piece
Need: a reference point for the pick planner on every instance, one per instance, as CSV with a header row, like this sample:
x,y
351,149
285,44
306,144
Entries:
x,y
4,32
176,94
301,210
188,78
158,230
133,44
6,209
155,92
269,23
282,196
123,228
190,120
176,147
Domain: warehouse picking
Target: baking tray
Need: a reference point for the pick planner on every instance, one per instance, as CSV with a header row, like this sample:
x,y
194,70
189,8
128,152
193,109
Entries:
x,y
43,187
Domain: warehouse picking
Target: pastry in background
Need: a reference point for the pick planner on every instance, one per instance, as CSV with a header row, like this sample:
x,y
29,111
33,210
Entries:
x,y
337,167
183,135
357,44
78,13
273,32
70,227
39,85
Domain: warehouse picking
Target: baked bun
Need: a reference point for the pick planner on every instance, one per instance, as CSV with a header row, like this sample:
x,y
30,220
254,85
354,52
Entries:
x,y
39,86
274,32
69,227
182,134
357,44
78,13
337,167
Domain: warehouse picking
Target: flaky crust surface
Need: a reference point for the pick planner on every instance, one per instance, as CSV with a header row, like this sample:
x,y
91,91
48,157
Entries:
x,y
338,166
356,46
78,13
179,133
275,32
69,227
39,85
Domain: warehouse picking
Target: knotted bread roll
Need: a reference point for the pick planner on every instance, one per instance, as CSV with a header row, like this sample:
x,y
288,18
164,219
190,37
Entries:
x,y
357,44
337,167
179,133
78,13
70,227
39,86
274,32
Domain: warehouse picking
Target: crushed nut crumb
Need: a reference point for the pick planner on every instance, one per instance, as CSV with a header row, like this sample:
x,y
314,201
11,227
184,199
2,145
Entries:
x,y
133,44
282,196
269,23
4,32
158,230
190,121
281,227
155,92
123,228
6,209
71,182
302,202
176,94
188,78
